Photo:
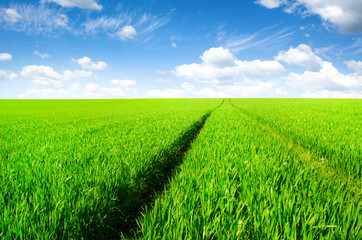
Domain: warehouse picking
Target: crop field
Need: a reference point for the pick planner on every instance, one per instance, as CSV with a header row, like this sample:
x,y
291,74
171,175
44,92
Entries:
x,y
181,169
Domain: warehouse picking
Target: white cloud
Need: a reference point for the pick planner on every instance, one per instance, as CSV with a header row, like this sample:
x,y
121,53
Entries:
x,y
253,88
42,76
186,90
127,32
34,19
130,20
173,45
85,4
207,92
220,67
10,15
328,78
74,86
321,78
270,3
61,20
161,72
248,88
302,56
47,93
93,90
218,57
45,76
41,55
124,84
106,23
230,77
161,80
345,14
355,65
271,36
86,63
332,94
8,75
77,75
151,23
5,57
167,93
356,47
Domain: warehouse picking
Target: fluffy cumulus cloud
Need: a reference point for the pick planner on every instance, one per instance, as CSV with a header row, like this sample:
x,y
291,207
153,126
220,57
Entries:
x,y
185,91
8,75
77,75
127,32
321,78
125,84
253,88
270,3
328,78
87,63
46,93
219,66
230,77
355,65
302,56
74,86
247,88
345,14
5,57
85,4
122,89
42,76
46,76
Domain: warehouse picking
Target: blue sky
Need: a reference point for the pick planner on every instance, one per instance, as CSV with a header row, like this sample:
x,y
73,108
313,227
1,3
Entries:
x,y
191,48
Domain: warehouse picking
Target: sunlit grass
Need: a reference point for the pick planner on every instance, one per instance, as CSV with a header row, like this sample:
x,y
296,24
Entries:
x,y
241,182
72,169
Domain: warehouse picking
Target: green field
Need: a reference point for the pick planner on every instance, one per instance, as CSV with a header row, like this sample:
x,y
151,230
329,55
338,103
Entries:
x,y
181,169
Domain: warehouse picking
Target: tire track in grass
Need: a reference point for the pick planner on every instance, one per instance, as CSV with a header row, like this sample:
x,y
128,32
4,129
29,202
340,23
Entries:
x,y
155,177
323,165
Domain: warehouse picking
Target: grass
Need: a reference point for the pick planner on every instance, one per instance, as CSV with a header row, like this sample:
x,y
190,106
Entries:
x,y
328,127
186,168
240,182
71,169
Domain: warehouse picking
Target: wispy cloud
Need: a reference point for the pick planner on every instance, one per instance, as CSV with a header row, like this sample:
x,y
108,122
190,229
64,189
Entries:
x,y
48,19
356,47
41,55
31,18
85,4
126,25
106,24
10,15
266,37
151,23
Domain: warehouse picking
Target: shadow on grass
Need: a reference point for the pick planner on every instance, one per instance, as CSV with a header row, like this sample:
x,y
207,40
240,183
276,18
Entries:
x,y
157,175
122,216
